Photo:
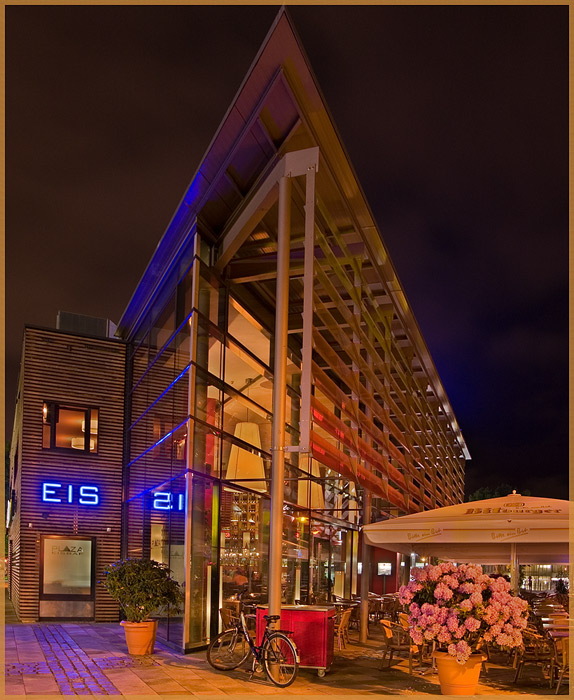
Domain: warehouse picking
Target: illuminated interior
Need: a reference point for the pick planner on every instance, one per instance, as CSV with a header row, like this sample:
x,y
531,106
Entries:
x,y
65,427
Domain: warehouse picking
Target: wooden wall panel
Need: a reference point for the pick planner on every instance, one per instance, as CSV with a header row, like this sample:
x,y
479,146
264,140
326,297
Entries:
x,y
73,370
14,486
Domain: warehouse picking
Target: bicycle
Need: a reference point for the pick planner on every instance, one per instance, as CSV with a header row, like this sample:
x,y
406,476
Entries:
x,y
277,655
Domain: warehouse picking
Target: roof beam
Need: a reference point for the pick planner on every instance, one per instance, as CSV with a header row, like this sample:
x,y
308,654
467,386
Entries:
x,y
261,198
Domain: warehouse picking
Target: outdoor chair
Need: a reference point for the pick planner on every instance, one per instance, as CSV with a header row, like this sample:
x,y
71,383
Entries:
x,y
374,610
396,609
562,665
342,628
534,625
485,648
397,640
228,617
390,606
538,650
355,619
387,606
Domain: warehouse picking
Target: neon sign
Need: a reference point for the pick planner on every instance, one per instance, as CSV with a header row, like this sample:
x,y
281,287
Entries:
x,y
164,500
52,492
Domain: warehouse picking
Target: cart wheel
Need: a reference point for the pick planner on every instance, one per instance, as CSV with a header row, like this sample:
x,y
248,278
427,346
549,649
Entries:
x,y
321,672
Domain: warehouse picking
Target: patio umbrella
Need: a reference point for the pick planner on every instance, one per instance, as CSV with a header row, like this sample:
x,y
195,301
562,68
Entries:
x,y
509,530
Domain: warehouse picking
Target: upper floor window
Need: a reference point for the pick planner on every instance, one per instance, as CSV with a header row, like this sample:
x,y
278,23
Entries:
x,y
69,427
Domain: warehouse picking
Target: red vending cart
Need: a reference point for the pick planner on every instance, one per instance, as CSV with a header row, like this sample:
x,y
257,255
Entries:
x,y
313,628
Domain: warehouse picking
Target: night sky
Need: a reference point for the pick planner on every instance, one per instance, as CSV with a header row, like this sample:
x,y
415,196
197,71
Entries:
x,y
455,119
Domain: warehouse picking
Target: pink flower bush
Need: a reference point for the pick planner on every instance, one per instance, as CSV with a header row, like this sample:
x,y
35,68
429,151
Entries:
x,y
460,608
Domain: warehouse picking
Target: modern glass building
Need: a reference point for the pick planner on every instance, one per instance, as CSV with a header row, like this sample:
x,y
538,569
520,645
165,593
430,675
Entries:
x,y
272,287
274,224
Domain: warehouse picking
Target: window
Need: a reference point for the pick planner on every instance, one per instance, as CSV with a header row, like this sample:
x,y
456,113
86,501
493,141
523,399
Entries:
x,y
69,427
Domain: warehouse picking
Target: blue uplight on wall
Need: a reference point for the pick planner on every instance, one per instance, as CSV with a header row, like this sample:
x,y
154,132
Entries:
x,y
53,492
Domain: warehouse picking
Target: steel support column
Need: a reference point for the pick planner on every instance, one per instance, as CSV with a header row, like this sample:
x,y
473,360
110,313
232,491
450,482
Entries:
x,y
279,395
188,532
366,571
308,307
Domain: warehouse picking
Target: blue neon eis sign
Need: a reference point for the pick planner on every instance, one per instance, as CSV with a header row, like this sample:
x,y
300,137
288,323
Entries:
x,y
88,495
165,500
84,495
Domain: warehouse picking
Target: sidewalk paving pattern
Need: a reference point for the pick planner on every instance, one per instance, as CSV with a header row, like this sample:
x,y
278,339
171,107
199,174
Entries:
x,y
92,659
74,672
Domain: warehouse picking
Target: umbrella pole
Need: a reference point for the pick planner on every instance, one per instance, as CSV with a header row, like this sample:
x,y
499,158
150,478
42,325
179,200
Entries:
x,y
513,567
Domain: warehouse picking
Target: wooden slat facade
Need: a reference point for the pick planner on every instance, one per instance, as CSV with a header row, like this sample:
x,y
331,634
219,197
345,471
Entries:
x,y
70,370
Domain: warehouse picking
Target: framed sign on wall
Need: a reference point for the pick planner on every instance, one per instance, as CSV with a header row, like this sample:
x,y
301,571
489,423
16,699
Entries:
x,y
67,576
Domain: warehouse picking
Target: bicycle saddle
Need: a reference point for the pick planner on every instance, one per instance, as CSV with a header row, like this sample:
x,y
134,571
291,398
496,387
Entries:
x,y
272,618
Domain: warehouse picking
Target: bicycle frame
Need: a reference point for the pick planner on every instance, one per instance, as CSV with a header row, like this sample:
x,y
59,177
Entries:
x,y
255,650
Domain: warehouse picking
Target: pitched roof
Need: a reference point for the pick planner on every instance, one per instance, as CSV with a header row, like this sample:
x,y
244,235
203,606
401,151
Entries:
x,y
279,108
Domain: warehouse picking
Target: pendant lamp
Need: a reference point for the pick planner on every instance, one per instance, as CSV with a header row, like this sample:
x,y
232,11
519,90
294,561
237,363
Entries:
x,y
243,464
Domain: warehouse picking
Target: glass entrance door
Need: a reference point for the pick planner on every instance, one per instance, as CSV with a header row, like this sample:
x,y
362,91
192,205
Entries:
x,y
328,562
321,584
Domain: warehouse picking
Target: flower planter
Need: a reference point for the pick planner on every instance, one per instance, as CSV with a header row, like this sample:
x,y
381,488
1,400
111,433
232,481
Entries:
x,y
455,678
140,636
460,608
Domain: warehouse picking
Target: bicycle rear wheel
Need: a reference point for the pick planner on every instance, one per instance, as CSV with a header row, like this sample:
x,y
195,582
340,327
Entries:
x,y
279,659
228,650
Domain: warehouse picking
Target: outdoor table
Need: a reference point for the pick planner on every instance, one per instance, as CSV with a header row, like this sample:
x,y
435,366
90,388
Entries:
x,y
560,638
340,606
559,633
548,605
555,620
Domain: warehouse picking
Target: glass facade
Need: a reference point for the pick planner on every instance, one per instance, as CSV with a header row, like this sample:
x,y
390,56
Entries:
x,y
201,367
365,411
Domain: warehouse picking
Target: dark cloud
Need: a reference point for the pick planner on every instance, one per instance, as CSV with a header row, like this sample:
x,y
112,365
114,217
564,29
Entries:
x,y
455,118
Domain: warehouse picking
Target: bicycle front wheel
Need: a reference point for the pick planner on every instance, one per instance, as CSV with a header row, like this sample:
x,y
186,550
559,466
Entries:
x,y
279,659
228,650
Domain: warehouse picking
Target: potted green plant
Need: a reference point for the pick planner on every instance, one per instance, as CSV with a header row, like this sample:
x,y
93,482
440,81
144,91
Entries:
x,y
141,586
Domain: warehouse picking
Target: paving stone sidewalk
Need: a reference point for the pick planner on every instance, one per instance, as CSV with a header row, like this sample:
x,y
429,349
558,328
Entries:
x,y
92,659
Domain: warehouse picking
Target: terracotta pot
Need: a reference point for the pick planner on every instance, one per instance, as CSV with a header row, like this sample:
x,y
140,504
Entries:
x,y
140,636
455,678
